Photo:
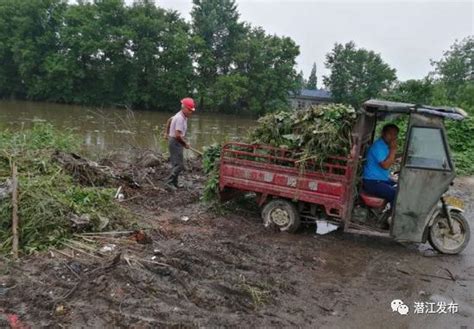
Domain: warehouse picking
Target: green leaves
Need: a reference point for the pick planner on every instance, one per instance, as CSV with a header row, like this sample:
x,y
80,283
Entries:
x,y
461,145
412,91
318,131
240,67
456,67
356,74
210,164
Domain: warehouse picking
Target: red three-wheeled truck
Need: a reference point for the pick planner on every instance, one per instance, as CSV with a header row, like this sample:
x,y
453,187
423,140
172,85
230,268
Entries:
x,y
291,191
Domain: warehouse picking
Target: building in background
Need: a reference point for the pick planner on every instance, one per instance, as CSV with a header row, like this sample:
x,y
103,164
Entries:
x,y
308,97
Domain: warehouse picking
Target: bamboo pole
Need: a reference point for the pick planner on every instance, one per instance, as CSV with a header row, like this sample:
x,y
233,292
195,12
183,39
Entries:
x,y
15,210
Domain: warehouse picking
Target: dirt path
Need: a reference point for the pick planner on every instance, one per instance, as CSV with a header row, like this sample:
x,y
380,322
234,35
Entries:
x,y
202,269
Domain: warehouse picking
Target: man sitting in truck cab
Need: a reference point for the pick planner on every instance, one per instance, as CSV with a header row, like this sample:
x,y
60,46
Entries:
x,y
376,179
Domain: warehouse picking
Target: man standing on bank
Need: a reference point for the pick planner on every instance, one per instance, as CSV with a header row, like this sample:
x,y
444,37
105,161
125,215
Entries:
x,y
176,131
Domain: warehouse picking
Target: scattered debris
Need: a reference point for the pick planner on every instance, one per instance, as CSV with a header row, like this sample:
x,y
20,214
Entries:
x,y
141,237
60,310
119,190
84,171
149,159
80,222
108,248
5,189
324,227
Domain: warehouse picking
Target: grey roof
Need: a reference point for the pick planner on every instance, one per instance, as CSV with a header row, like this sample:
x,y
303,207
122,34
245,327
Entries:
x,y
318,93
376,105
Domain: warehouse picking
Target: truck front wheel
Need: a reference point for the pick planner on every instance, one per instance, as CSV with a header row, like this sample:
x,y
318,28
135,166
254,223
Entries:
x,y
282,214
445,241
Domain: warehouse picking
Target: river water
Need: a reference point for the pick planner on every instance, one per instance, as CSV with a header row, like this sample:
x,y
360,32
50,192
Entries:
x,y
108,130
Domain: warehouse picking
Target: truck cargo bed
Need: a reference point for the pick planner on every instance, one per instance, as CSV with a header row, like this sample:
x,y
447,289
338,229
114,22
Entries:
x,y
277,172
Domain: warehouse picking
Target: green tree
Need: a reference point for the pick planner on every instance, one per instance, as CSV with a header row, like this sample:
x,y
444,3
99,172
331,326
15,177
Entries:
x,y
10,79
302,82
217,32
239,67
356,74
412,91
161,63
29,36
313,79
96,65
268,62
456,68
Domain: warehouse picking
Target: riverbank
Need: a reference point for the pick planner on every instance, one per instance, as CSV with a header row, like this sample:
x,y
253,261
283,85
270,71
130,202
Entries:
x,y
189,265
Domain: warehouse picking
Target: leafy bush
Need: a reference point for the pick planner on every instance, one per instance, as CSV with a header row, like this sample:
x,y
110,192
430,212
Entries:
x,y
210,164
461,142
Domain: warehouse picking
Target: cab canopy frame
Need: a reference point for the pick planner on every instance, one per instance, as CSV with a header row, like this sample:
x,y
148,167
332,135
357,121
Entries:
x,y
424,175
383,109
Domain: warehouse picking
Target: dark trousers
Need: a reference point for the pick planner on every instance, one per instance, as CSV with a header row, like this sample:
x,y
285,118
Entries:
x,y
382,189
177,160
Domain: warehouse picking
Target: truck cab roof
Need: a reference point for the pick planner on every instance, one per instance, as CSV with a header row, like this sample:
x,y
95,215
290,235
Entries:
x,y
383,108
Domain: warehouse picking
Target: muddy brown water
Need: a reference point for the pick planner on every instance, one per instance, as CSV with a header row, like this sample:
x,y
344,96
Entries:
x,y
111,129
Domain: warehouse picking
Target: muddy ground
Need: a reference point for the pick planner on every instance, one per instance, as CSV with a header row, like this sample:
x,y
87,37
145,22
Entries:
x,y
199,267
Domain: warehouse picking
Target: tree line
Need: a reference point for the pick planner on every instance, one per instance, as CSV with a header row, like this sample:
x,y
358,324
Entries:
x,y
104,52
357,74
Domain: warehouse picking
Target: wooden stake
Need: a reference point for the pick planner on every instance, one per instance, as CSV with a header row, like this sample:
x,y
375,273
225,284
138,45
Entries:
x,y
15,210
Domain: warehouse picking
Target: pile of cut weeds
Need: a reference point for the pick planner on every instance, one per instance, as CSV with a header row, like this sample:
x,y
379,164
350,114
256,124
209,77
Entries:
x,y
52,204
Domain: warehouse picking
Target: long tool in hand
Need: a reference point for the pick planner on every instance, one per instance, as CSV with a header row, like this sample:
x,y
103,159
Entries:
x,y
196,151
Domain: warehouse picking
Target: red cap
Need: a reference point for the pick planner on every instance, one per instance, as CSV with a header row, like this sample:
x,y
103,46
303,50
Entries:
x,y
189,103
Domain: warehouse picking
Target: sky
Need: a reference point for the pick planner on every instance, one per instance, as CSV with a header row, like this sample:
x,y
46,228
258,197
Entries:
x,y
407,34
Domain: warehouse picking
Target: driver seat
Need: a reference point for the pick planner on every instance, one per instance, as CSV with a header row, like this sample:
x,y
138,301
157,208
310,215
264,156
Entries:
x,y
372,201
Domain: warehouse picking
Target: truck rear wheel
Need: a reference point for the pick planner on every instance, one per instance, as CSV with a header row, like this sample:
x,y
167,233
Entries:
x,y
282,214
441,238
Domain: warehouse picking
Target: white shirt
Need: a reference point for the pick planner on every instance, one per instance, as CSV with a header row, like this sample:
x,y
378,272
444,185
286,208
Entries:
x,y
179,122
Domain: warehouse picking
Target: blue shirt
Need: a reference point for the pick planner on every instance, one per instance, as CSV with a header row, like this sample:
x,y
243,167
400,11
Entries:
x,y
377,153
